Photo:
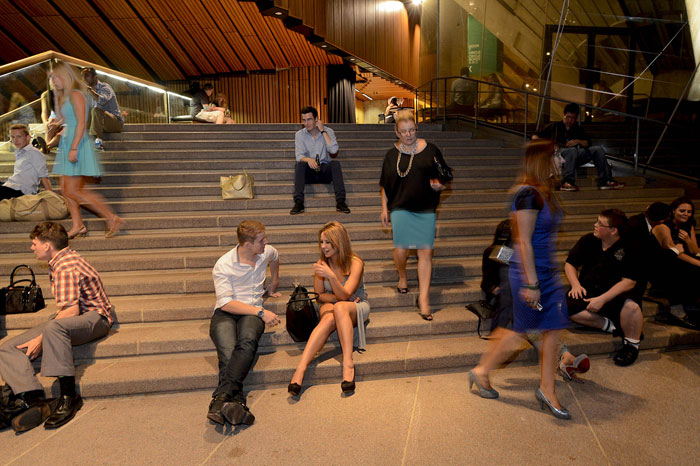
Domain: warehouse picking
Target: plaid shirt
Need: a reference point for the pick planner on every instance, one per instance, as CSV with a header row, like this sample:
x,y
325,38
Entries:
x,y
74,281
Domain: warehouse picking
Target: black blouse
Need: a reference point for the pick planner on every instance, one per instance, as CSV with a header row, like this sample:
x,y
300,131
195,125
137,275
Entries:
x,y
413,192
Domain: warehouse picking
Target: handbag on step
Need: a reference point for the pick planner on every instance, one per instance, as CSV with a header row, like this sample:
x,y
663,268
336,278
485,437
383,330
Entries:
x,y
237,186
301,314
20,299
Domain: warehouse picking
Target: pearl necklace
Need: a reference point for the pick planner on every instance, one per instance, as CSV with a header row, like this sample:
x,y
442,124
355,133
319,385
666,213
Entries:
x,y
404,149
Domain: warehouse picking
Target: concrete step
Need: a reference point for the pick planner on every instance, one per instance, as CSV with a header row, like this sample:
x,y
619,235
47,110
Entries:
x,y
241,135
185,257
195,279
212,230
178,127
137,339
153,307
286,143
198,370
322,200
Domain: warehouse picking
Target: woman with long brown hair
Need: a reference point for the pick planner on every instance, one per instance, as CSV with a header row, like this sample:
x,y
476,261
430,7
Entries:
x,y
76,161
338,279
539,301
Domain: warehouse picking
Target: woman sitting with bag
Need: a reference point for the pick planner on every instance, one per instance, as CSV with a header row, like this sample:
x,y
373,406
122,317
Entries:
x,y
338,279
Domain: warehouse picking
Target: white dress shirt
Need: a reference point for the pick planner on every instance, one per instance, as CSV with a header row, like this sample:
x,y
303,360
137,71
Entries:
x,y
30,167
235,281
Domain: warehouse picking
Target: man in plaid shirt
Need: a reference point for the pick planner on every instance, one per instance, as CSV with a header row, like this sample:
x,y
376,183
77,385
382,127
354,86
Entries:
x,y
84,313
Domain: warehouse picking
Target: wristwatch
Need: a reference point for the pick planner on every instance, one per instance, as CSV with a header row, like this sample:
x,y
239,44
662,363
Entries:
x,y
261,313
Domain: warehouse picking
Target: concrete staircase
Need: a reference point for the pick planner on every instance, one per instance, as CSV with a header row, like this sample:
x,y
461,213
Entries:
x,y
163,180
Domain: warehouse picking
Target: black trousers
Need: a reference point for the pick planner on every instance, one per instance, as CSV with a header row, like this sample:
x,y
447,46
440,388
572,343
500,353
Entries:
x,y
329,173
9,193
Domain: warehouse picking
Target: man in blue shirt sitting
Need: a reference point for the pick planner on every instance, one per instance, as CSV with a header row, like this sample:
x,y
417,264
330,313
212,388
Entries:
x,y
315,146
105,116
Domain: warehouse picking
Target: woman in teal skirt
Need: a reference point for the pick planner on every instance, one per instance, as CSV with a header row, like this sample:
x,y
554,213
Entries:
x,y
410,193
76,161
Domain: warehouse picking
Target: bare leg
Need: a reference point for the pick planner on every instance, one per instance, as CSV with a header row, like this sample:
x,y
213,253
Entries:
x,y
425,270
504,342
400,258
317,339
220,118
631,320
345,314
548,364
97,203
69,189
589,319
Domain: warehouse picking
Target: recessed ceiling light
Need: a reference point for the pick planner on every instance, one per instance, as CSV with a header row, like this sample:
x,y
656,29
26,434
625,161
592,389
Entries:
x,y
278,13
324,46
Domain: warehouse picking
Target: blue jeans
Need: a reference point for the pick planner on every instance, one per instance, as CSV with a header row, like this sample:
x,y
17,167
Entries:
x,y
577,156
236,339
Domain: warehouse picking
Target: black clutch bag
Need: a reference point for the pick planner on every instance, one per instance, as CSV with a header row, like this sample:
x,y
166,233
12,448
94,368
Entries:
x,y
443,171
301,314
20,299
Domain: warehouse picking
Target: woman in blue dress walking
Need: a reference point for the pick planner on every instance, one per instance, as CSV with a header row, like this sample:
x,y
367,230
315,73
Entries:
x,y
76,161
539,302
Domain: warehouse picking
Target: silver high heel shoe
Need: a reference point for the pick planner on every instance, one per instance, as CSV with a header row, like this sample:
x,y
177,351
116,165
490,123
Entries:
x,y
558,413
483,392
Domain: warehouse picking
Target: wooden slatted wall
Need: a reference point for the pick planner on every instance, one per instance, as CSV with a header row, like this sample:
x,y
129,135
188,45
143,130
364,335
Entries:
x,y
271,97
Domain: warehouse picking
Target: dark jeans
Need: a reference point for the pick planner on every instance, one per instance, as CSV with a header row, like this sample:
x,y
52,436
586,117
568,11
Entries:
x,y
9,193
577,156
330,173
236,339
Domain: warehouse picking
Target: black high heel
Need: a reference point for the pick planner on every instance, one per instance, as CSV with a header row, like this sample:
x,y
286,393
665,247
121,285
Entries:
x,y
348,386
294,389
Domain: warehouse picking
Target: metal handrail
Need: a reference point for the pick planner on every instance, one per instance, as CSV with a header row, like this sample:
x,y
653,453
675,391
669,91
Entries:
x,y
428,87
53,55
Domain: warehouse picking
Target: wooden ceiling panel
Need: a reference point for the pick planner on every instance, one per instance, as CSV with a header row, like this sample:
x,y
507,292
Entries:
x,y
247,32
59,30
282,34
160,39
204,32
223,25
28,36
181,35
93,27
9,51
265,35
128,23
144,10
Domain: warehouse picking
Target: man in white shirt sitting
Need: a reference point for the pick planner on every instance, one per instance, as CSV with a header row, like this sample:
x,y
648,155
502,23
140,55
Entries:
x,y
239,317
30,166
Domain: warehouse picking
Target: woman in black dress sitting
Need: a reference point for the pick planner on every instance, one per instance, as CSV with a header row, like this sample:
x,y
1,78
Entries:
x,y
677,234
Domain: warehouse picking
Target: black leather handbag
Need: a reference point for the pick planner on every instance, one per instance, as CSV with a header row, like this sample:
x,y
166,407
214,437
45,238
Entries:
x,y
444,172
20,299
301,314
